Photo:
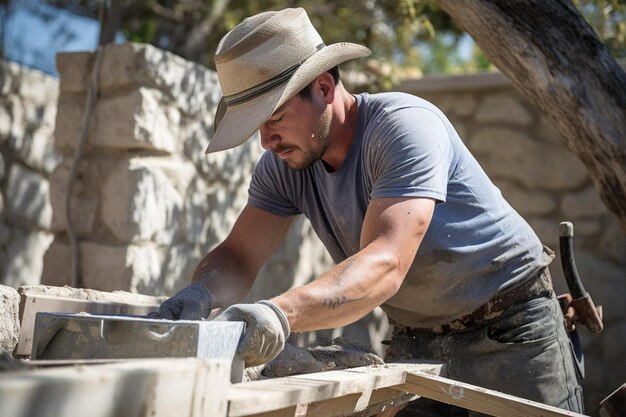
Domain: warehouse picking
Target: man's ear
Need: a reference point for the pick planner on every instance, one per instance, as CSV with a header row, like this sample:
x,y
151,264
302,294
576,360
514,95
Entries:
x,y
326,87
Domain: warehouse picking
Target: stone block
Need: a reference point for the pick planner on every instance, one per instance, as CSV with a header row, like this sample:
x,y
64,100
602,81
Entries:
x,y
462,105
12,122
36,150
57,270
546,229
604,280
613,241
503,108
85,195
547,131
232,167
5,234
127,268
38,88
583,204
139,119
27,197
9,79
5,124
587,227
9,318
140,202
19,80
130,65
527,202
197,212
509,154
24,257
298,260
177,267
613,342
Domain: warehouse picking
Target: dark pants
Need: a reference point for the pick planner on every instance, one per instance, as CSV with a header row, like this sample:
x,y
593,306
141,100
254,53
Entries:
x,y
524,352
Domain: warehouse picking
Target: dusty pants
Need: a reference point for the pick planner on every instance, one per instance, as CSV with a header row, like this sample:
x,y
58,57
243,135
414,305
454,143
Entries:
x,y
524,352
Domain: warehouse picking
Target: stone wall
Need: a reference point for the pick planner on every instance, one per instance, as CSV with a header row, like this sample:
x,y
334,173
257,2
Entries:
x,y
149,202
546,184
27,158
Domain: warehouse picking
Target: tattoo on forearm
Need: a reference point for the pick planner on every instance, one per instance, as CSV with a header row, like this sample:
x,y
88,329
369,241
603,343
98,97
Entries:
x,y
336,301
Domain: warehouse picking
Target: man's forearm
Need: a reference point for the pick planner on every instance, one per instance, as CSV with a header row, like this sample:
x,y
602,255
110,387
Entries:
x,y
342,295
225,276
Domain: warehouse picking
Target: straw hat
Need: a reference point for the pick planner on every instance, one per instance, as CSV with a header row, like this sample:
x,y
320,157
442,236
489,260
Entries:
x,y
262,63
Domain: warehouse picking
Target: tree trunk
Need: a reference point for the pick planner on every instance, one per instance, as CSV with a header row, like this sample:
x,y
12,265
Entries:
x,y
555,60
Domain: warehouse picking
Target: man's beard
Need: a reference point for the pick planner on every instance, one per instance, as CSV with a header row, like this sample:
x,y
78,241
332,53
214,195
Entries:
x,y
319,141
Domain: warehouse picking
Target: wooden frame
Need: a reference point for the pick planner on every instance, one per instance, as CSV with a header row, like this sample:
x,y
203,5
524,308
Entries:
x,y
200,387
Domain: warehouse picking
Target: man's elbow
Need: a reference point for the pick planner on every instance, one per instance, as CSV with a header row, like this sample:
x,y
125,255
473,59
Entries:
x,y
394,276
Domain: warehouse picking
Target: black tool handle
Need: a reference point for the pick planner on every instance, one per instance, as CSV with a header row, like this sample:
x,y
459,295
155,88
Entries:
x,y
566,244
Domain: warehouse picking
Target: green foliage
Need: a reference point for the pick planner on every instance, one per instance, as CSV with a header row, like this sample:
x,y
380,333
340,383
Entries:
x,y
406,36
608,18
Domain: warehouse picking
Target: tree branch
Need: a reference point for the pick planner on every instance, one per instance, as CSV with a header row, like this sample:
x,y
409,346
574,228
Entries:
x,y
555,60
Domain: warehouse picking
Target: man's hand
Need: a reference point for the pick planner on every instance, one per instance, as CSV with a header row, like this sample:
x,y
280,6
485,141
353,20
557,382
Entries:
x,y
267,329
191,303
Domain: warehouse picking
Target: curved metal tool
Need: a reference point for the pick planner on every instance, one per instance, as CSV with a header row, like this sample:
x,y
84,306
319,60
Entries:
x,y
577,307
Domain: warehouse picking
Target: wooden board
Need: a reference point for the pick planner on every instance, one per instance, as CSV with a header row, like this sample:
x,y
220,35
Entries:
x,y
357,385
365,405
138,388
475,398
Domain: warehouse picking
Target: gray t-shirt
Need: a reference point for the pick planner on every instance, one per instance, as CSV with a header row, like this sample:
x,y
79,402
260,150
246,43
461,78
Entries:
x,y
476,244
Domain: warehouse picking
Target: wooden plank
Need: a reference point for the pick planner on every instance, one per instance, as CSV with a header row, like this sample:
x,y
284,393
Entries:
x,y
280,393
348,405
366,403
475,398
155,388
43,298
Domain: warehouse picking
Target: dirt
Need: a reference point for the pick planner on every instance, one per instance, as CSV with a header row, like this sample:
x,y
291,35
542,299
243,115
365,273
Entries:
x,y
341,353
93,295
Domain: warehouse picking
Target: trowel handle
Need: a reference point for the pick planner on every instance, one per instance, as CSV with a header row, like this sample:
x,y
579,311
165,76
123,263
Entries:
x,y
566,245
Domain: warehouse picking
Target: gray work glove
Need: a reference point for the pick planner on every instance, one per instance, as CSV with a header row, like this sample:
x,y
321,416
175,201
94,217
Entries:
x,y
191,303
267,329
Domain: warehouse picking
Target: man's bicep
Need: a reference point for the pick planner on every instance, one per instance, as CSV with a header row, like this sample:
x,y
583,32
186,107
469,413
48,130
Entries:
x,y
397,225
255,235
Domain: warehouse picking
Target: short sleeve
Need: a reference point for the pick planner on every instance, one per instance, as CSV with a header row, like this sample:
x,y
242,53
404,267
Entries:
x,y
411,154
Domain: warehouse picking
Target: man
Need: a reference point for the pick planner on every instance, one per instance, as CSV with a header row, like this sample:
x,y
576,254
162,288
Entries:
x,y
411,220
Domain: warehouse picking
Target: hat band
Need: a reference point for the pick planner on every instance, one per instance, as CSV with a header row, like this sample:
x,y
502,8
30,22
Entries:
x,y
262,88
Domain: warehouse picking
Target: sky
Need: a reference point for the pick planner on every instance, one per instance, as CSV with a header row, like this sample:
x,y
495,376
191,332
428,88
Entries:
x,y
33,32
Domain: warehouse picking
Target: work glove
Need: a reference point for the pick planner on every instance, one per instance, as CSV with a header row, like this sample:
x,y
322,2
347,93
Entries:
x,y
267,329
191,303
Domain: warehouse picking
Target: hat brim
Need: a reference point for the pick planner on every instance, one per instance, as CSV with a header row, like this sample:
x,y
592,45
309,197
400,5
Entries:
x,y
240,121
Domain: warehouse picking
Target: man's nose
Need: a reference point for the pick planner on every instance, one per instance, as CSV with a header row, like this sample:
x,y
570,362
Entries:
x,y
268,137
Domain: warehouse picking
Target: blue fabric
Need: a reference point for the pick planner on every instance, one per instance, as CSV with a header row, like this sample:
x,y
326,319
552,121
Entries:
x,y
476,245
